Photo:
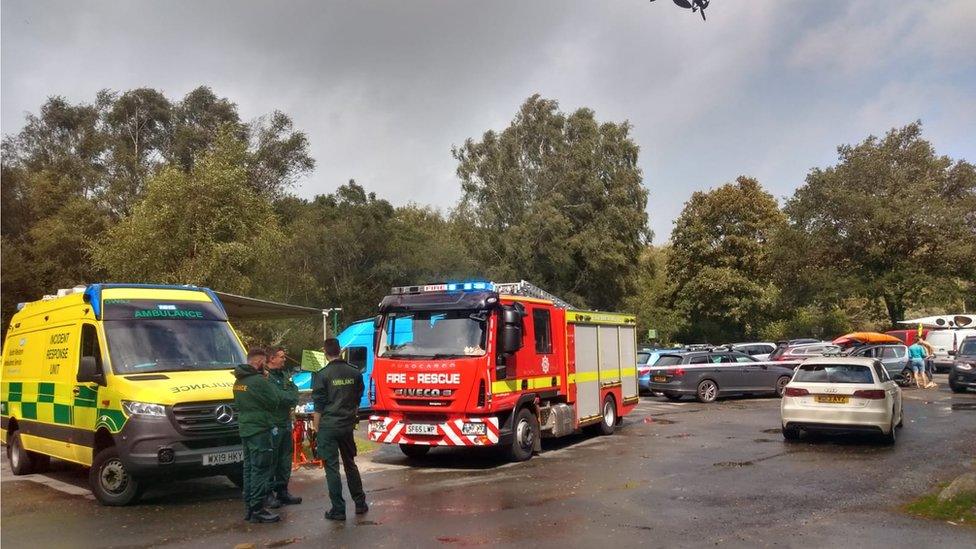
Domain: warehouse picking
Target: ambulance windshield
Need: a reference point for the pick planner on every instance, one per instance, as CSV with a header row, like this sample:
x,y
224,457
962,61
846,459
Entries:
x,y
433,334
171,345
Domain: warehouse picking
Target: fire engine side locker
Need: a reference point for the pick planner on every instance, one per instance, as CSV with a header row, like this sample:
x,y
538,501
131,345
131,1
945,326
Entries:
x,y
606,356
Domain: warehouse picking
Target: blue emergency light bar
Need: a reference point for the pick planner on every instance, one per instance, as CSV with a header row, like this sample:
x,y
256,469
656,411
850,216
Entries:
x,y
446,287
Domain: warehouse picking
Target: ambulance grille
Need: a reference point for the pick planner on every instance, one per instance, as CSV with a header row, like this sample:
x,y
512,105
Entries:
x,y
201,418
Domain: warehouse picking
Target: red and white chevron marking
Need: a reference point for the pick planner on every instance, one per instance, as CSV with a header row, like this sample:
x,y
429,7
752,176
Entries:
x,y
448,433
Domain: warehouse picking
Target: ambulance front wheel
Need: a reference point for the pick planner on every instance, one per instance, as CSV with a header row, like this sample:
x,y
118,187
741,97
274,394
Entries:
x,y
111,481
414,451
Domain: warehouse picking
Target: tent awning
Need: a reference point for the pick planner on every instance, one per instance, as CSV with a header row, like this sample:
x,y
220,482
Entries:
x,y
239,307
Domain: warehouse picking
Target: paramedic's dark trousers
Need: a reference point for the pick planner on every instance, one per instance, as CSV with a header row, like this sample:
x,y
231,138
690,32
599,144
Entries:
x,y
283,452
333,444
257,469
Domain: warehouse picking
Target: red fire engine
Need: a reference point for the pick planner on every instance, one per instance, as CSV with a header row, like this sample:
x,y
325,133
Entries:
x,y
484,364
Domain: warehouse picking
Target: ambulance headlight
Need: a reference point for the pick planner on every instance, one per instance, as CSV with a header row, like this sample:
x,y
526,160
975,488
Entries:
x,y
134,408
473,429
375,425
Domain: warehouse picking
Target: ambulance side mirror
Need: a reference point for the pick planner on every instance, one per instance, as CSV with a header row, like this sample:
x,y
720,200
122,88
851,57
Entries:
x,y
89,372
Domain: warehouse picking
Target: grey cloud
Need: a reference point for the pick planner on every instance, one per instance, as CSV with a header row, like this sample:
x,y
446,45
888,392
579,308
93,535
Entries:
x,y
384,89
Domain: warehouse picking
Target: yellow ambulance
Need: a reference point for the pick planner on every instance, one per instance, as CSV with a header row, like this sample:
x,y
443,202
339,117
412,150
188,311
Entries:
x,y
134,381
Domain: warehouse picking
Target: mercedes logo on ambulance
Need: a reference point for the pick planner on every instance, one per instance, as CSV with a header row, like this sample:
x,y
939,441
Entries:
x,y
224,413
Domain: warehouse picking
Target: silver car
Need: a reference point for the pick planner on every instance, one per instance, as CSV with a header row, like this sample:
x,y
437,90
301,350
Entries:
x,y
710,374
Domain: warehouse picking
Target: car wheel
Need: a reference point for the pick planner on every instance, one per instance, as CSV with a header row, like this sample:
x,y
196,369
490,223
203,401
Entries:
x,y
21,462
110,481
673,397
892,434
781,384
609,421
707,391
906,378
525,430
414,451
956,389
791,433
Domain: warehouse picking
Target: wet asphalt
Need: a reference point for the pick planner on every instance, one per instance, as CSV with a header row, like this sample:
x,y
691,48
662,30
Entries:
x,y
674,475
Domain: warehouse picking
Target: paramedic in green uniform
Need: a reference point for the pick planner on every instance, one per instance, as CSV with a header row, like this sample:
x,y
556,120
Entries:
x,y
256,400
281,432
336,391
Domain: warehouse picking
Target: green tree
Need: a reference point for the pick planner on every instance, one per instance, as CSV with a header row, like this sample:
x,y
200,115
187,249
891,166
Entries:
x,y
205,226
556,199
650,301
74,170
719,261
892,221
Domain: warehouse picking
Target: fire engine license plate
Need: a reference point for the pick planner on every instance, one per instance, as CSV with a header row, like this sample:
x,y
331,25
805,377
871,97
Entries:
x,y
421,429
223,458
831,399
660,379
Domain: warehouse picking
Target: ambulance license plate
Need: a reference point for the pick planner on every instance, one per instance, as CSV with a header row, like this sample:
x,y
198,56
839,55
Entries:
x,y
421,429
223,458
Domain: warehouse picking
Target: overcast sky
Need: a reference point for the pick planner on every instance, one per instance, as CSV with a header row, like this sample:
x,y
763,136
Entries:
x,y
766,88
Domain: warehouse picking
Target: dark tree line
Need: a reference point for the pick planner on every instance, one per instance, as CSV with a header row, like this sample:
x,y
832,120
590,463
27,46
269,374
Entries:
x,y
140,188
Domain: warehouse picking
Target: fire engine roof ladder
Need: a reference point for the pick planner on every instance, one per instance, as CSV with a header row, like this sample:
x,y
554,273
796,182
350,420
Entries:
x,y
523,288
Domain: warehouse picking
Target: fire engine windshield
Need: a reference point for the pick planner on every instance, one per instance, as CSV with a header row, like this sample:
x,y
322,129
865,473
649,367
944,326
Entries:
x,y
433,334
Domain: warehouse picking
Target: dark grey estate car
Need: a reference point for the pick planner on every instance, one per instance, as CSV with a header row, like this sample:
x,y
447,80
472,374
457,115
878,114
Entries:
x,y
710,374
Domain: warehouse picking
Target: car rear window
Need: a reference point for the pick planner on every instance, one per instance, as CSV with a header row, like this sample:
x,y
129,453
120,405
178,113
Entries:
x,y
668,360
833,373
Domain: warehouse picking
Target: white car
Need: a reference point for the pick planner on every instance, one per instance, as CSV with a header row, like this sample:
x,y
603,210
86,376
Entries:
x,y
841,395
759,350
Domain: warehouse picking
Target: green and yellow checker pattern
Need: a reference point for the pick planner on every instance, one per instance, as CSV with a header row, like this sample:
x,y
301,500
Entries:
x,y
64,404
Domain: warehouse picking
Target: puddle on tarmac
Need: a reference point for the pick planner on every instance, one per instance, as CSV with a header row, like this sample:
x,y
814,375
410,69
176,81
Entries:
x,y
763,440
732,464
658,421
283,542
964,406
680,435
367,523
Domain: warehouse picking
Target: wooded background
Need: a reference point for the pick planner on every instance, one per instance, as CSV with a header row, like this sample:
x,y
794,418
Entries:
x,y
138,187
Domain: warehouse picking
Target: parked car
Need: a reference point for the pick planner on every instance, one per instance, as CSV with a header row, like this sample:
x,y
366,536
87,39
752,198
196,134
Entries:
x,y
708,375
908,336
893,357
945,343
645,359
803,351
757,350
962,376
842,395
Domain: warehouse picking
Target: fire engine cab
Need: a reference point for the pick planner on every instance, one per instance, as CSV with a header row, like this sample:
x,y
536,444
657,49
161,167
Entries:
x,y
485,364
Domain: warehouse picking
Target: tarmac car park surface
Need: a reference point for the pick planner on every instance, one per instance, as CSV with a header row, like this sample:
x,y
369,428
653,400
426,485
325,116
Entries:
x,y
675,475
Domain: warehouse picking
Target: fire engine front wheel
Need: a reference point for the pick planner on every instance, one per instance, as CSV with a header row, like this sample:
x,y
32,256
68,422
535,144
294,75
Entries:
x,y
414,451
525,431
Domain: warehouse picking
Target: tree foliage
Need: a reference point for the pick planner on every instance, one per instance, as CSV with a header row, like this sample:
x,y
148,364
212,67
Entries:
x,y
75,170
556,199
206,227
892,221
719,261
